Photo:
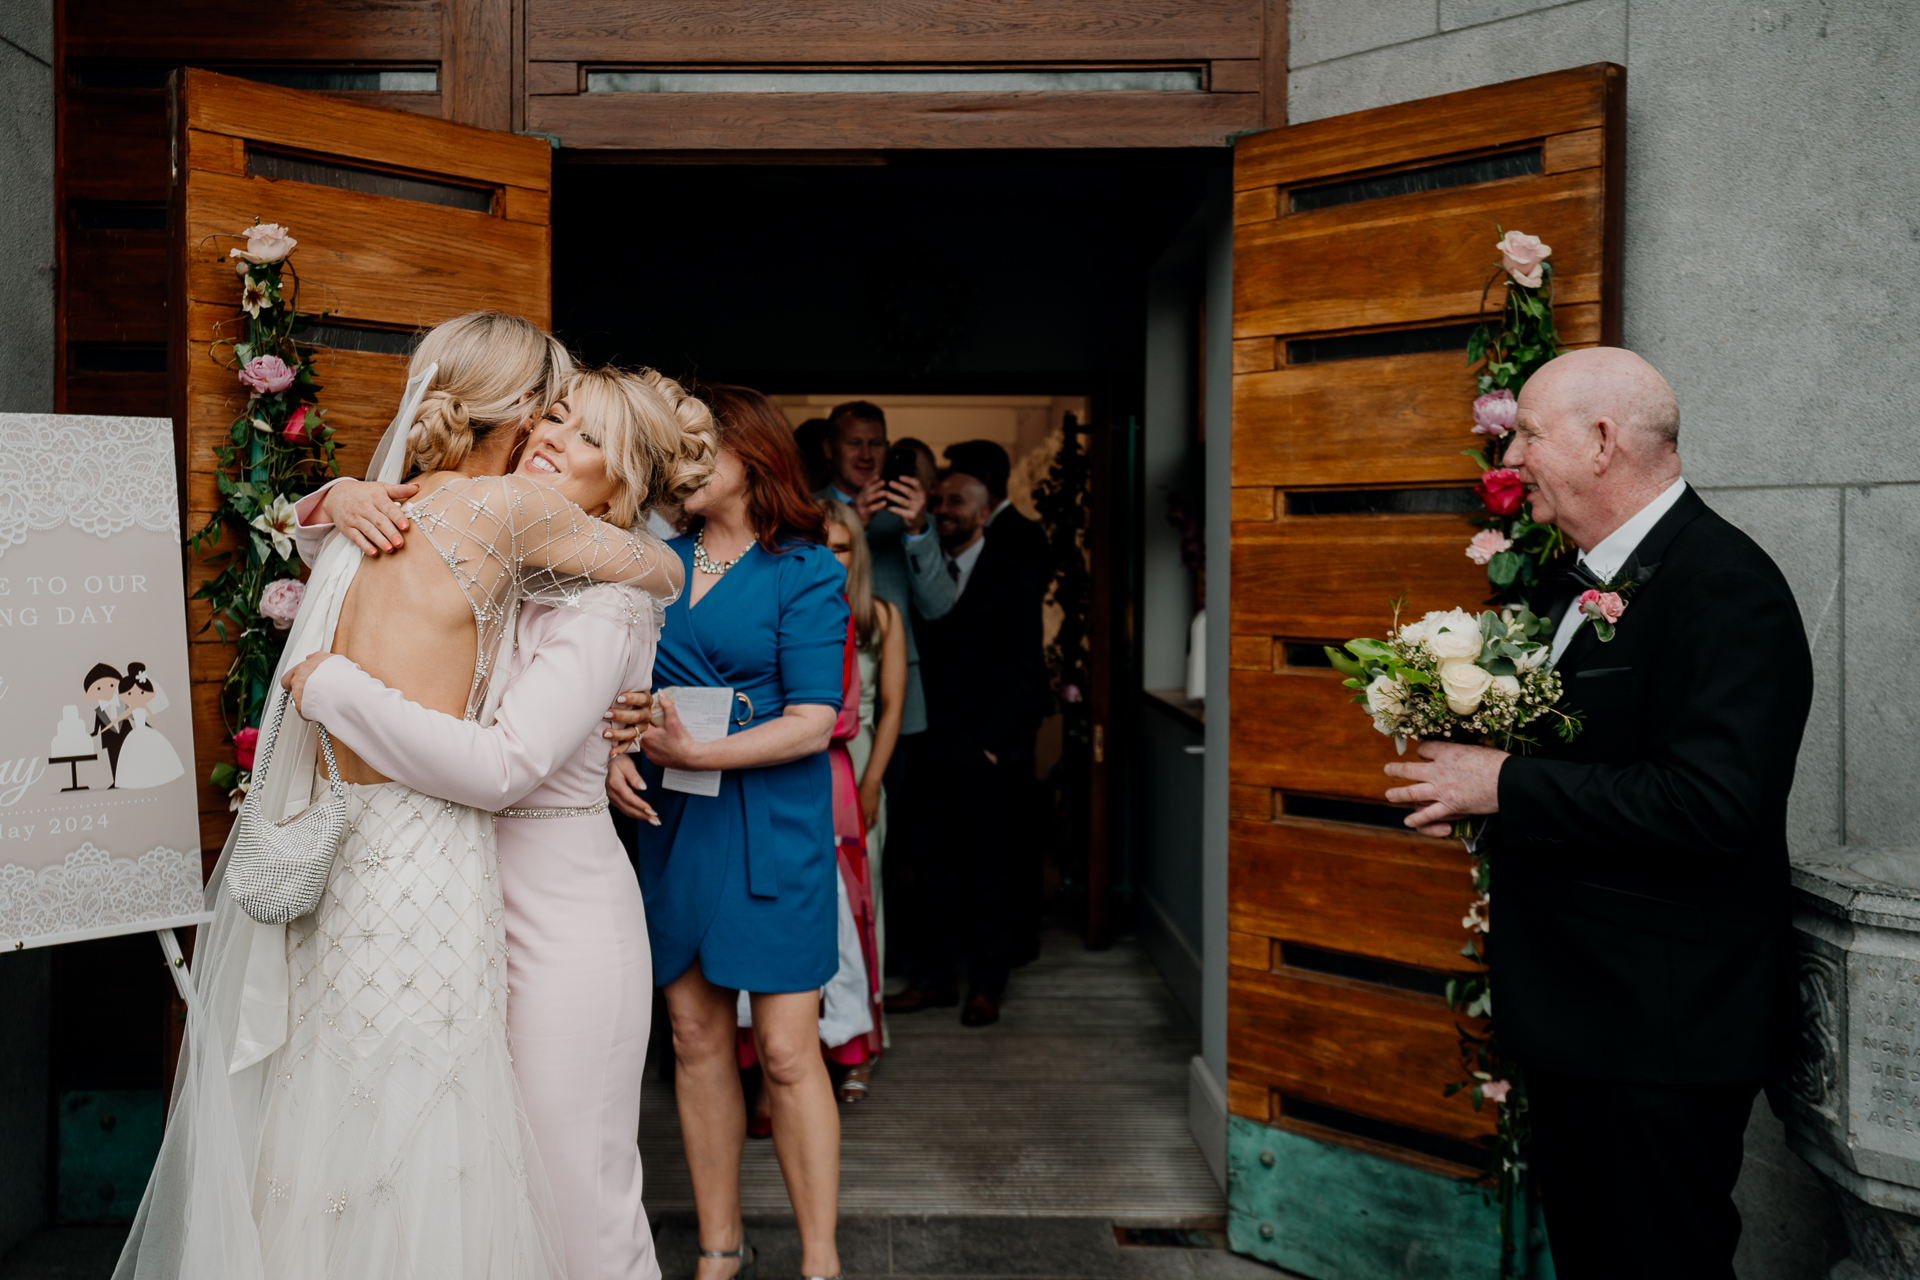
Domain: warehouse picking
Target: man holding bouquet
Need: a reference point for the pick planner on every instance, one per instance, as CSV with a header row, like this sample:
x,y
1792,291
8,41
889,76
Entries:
x,y
1642,949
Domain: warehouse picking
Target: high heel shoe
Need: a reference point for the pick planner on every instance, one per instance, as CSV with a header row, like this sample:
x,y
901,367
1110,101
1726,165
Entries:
x,y
745,1253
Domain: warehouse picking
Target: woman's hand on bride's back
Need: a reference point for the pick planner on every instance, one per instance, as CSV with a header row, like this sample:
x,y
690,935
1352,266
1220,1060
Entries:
x,y
368,513
296,679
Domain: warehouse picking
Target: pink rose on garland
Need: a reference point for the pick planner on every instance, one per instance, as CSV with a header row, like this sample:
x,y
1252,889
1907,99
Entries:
x,y
1501,491
1604,605
265,374
296,428
1069,693
1493,413
266,242
1487,544
280,602
244,743
1496,1090
1521,255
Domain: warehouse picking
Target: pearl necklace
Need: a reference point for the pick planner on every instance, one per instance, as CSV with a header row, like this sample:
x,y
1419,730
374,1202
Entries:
x,y
705,563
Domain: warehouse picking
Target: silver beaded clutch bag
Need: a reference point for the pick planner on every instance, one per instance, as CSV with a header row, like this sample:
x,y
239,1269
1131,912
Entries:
x,y
278,870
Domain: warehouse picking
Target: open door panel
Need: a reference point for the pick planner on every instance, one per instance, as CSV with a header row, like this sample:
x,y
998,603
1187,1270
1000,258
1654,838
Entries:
x,y
1363,245
403,221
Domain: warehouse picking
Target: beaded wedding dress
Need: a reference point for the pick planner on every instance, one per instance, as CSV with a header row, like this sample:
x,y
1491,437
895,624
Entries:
x,y
345,1107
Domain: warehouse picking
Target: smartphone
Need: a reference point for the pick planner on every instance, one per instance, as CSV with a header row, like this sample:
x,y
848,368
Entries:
x,y
903,462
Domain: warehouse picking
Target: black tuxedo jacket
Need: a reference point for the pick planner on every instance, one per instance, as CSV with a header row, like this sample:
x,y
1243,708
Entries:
x,y
1640,871
980,663
1023,539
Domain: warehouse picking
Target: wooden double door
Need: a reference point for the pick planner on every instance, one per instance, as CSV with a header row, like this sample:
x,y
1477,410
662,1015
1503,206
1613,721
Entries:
x,y
1363,248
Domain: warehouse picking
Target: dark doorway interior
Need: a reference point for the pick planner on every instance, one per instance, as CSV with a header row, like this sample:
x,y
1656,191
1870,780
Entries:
x,y
923,271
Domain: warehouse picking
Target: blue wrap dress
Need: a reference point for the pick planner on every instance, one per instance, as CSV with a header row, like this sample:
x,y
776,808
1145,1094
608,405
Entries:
x,y
745,881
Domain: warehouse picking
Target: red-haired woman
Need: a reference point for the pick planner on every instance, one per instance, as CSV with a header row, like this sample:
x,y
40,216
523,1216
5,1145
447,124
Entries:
x,y
740,885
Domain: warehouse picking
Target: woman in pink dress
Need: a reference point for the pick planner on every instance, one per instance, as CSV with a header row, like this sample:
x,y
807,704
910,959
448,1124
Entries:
x,y
579,967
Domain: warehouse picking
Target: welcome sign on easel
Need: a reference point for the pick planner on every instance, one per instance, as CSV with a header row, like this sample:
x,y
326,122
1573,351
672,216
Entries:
x,y
99,822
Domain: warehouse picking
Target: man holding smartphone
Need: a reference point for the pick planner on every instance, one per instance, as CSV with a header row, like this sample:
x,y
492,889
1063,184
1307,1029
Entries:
x,y
908,569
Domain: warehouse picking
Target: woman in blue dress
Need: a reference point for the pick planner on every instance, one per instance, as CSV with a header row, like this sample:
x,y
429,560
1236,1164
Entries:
x,y
740,886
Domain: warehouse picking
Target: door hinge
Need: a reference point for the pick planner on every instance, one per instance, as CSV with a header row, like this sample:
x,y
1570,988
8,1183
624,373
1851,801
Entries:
x,y
1099,744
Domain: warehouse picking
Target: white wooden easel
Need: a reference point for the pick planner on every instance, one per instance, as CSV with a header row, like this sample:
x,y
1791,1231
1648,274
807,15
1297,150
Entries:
x,y
176,964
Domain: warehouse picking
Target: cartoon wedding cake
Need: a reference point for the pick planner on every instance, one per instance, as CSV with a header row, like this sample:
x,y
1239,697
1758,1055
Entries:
x,y
71,739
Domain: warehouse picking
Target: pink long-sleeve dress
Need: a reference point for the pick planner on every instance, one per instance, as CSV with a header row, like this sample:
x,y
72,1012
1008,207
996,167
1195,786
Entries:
x,y
579,967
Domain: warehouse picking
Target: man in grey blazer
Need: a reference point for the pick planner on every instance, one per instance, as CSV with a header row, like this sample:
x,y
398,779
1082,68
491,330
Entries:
x,y
908,567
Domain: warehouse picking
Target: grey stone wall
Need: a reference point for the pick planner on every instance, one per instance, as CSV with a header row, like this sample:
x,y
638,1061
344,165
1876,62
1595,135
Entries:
x,y
26,206
1773,275
26,385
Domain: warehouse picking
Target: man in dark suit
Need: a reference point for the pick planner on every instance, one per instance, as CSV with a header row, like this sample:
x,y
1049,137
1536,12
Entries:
x,y
1641,958
978,665
1024,539
987,462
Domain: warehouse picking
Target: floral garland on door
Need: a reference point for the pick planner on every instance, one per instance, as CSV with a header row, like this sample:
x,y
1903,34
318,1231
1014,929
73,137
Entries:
x,y
279,445
1516,552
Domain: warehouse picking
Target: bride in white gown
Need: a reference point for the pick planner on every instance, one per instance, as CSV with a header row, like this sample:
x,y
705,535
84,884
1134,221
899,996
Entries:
x,y
147,759
345,1105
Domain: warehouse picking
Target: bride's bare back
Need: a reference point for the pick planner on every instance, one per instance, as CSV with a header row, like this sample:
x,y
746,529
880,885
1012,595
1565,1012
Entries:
x,y
428,618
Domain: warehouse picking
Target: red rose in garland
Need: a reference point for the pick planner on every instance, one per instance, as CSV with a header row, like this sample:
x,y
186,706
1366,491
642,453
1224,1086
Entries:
x,y
1501,491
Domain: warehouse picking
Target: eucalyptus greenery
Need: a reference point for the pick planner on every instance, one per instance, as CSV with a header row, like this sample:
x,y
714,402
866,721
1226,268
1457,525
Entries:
x,y
278,446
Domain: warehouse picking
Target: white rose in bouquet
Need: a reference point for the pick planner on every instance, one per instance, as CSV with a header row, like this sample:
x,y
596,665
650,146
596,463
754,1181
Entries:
x,y
1454,638
1465,685
1533,659
1506,687
1414,634
1386,696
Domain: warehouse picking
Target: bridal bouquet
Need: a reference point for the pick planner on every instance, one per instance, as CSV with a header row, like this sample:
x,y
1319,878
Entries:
x,y
1455,675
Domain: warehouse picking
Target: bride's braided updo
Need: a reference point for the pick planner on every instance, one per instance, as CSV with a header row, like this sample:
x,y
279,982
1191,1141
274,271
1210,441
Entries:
x,y
657,440
495,370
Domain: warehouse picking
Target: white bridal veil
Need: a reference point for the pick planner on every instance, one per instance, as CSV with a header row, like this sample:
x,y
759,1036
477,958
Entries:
x,y
196,1220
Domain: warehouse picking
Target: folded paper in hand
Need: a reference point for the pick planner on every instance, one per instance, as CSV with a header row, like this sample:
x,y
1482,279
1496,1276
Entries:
x,y
706,712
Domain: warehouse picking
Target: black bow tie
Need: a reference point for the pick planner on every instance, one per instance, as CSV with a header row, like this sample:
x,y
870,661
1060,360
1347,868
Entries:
x,y
1578,572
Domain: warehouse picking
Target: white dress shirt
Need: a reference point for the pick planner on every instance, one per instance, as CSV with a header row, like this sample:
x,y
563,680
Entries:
x,y
965,562
1611,553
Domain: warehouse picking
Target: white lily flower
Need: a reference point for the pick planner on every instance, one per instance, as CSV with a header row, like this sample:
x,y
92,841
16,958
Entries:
x,y
278,522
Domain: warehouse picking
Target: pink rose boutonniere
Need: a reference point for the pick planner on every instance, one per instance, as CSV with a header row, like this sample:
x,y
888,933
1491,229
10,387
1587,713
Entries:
x,y
1604,608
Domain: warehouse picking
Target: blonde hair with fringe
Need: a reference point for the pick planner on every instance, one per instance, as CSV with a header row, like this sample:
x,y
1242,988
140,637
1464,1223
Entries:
x,y
657,440
496,370
866,619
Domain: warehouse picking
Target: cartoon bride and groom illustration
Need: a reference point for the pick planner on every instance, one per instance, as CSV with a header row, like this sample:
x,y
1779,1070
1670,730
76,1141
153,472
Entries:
x,y
123,721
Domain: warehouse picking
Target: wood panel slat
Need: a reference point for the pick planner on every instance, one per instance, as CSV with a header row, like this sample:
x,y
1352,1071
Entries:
x,y
836,121
1252,504
116,283
1259,205
1250,802
295,30
114,144
1250,653
1250,950
1565,152
362,261
1240,75
353,130
139,395
1296,730
1387,420
1374,1053
360,390
1410,258
1254,355
893,31
1335,577
1254,1101
521,205
1383,894
1409,132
